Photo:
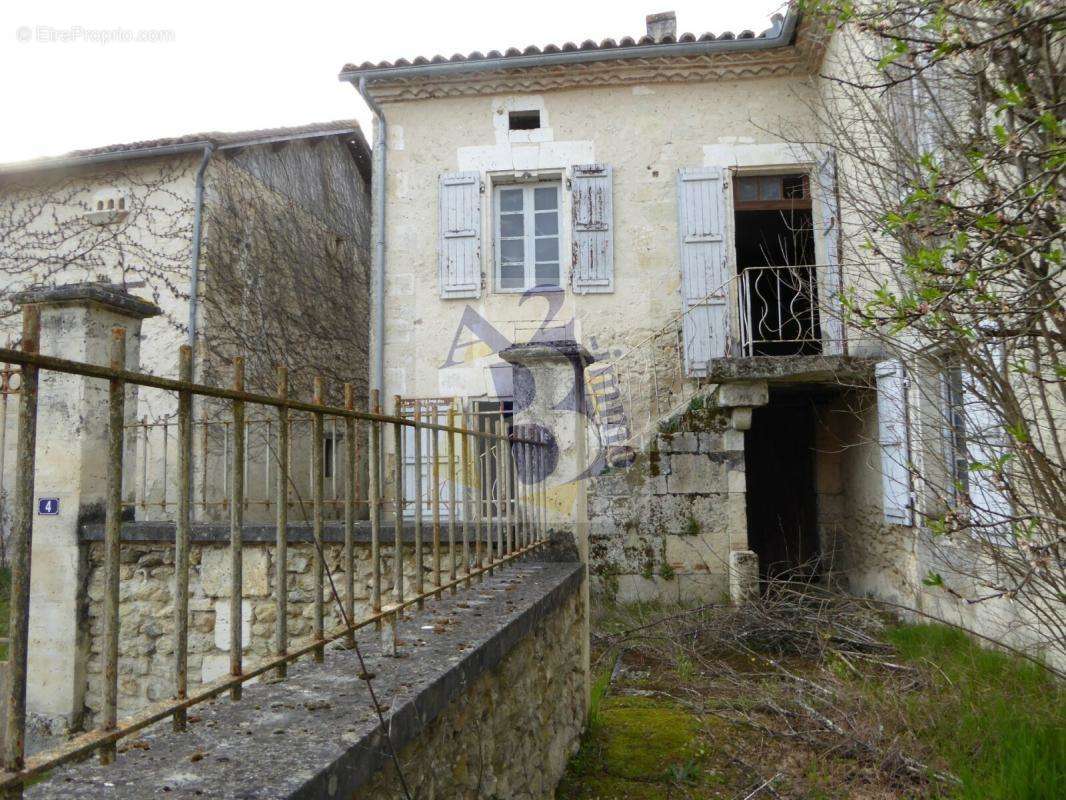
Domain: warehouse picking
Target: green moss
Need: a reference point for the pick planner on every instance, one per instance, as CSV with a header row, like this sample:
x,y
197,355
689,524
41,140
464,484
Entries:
x,y
648,570
692,527
640,748
666,572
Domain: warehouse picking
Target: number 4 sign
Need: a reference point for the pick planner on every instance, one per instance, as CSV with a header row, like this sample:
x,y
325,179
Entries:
x,y
48,506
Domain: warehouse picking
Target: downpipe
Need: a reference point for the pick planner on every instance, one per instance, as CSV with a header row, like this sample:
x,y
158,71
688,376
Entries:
x,y
377,184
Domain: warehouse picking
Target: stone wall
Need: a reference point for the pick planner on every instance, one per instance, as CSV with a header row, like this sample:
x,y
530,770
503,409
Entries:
x,y
487,699
146,613
663,528
511,733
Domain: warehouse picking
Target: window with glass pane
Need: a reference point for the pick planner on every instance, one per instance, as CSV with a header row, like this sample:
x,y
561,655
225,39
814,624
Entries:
x,y
527,236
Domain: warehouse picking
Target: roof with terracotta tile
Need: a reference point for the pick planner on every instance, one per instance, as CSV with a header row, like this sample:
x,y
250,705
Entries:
x,y
587,46
192,141
231,138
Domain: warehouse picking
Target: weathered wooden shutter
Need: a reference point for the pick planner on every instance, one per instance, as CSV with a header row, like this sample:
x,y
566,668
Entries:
x,y
592,231
831,318
460,235
894,443
701,226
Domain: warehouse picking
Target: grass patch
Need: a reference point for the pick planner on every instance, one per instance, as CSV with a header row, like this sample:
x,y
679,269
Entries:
x,y
816,696
998,722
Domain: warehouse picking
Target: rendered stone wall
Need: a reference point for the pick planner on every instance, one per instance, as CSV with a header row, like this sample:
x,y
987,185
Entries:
x,y
510,734
146,615
664,527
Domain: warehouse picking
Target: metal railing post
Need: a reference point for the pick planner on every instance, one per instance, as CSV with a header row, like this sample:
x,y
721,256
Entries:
x,y
112,538
21,544
350,494
464,441
281,560
318,477
420,585
236,540
435,455
181,538
373,447
397,567
453,495
501,491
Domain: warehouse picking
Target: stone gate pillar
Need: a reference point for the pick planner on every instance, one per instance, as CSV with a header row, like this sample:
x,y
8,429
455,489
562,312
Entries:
x,y
71,483
549,397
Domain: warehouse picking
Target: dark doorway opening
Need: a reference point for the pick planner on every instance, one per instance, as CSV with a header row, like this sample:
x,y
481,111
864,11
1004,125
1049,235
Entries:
x,y
775,257
781,502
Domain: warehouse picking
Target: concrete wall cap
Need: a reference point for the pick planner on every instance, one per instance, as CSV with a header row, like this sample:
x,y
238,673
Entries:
x,y
109,295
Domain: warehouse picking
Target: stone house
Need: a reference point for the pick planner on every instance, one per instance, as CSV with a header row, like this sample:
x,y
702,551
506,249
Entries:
x,y
251,243
670,203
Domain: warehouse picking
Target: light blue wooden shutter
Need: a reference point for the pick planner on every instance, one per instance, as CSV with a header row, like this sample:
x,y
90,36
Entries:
x,y
831,319
460,235
894,443
592,231
701,226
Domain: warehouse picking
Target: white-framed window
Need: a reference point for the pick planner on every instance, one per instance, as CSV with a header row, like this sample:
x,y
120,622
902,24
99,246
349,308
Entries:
x,y
527,223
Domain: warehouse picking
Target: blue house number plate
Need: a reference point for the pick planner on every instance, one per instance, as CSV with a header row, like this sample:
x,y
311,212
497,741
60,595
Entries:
x,y
48,506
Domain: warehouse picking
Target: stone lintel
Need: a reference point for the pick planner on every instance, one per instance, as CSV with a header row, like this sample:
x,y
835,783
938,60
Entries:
x,y
314,734
109,295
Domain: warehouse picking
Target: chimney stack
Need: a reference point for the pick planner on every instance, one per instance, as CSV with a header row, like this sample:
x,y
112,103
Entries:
x,y
662,25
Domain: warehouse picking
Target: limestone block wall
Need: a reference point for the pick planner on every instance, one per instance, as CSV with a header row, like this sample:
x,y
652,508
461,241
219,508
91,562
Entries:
x,y
512,731
146,614
664,527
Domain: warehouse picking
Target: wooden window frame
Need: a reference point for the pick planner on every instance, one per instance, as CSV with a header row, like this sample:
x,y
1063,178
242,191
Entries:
x,y
529,236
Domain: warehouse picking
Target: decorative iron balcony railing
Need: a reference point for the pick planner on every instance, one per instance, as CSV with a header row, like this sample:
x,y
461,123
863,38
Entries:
x,y
778,311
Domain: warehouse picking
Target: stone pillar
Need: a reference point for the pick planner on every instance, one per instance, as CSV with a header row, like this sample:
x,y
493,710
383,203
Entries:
x,y
549,396
740,398
76,324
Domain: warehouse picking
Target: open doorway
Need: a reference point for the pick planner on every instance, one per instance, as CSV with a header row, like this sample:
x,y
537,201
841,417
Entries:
x,y
775,260
779,452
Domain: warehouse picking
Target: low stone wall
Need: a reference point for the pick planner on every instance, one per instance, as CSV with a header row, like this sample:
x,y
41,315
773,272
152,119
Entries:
x,y
510,733
663,528
487,699
146,611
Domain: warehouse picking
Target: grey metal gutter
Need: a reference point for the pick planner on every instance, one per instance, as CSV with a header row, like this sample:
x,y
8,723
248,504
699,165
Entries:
x,y
780,35
377,183
194,267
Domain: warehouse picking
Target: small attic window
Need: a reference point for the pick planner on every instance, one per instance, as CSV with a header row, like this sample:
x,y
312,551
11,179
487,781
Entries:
x,y
523,120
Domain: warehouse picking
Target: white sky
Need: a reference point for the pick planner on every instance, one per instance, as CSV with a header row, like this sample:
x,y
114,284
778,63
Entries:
x,y
235,66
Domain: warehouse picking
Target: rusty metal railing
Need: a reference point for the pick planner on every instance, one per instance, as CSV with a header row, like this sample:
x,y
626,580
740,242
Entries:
x,y
515,525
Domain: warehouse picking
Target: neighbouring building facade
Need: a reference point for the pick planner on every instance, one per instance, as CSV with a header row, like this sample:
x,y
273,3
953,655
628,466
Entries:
x,y
253,243
671,204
